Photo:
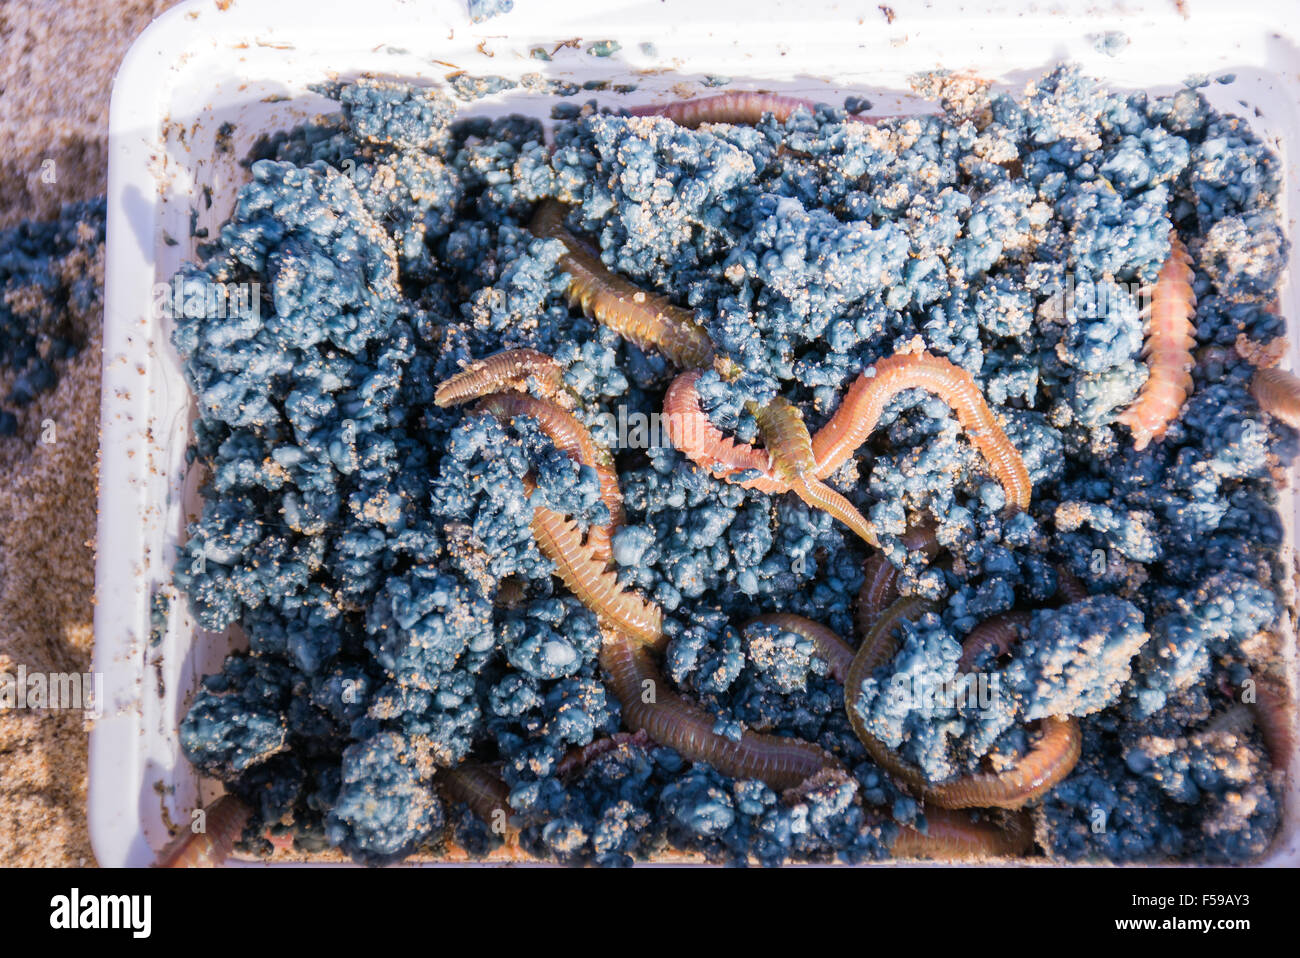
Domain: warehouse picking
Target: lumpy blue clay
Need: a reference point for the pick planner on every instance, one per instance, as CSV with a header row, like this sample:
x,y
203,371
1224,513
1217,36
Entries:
x,y
49,297
378,552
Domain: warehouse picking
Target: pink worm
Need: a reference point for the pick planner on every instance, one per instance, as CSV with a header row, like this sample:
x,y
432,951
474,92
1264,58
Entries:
x,y
1170,339
223,821
736,107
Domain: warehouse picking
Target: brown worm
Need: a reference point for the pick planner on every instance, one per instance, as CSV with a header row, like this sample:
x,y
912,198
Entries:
x,y
589,578
511,369
673,722
483,790
738,107
1274,716
646,319
574,440
1170,340
866,399
1034,775
830,646
224,822
580,756
951,835
1278,394
880,583
1068,586
1000,633
477,786
788,443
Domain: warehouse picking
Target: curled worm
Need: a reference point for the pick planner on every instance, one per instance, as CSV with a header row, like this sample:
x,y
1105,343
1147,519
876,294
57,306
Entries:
x,y
588,578
574,440
650,706
950,835
223,821
1170,340
646,319
880,582
778,468
511,369
830,646
866,399
1278,394
1034,775
694,435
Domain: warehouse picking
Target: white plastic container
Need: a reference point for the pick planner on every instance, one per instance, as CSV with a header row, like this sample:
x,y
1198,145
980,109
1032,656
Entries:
x,y
250,64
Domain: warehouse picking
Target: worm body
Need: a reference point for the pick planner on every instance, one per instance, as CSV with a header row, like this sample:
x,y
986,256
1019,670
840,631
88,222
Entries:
x,y
1033,776
830,646
1000,633
647,319
866,399
1170,340
511,369
650,706
224,822
580,756
1068,586
1278,394
574,440
1275,718
479,787
589,578
880,583
787,441
952,836
691,433
783,465
738,107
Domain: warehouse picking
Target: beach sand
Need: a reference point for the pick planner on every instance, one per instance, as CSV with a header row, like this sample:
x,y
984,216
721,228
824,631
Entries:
x,y
57,60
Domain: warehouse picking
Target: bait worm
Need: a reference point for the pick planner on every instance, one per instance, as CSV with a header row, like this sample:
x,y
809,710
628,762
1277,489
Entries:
x,y
1278,394
511,369
589,578
650,706
574,440
694,435
223,821
830,646
951,835
646,319
780,467
738,107
880,585
866,399
1034,775
787,441
1170,340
